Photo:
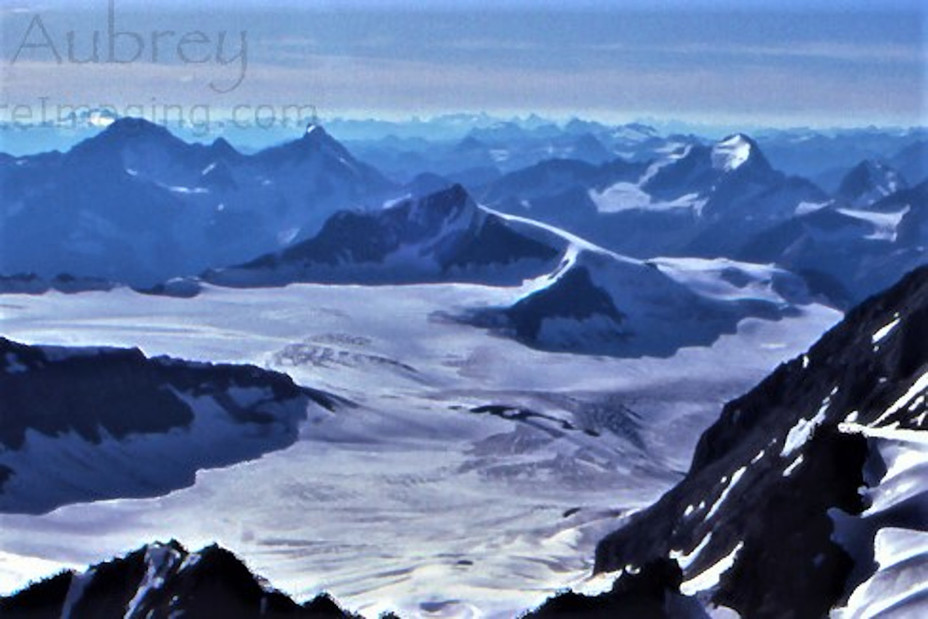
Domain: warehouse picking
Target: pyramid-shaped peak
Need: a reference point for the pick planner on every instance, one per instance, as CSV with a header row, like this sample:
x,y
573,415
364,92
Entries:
x,y
312,128
314,141
316,137
130,126
222,149
125,132
869,181
453,199
316,133
735,151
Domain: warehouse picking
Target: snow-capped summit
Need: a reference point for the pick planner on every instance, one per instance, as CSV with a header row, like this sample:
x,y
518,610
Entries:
x,y
868,182
735,151
725,172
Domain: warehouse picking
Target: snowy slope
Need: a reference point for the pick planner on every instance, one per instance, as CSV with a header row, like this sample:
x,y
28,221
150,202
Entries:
x,y
475,474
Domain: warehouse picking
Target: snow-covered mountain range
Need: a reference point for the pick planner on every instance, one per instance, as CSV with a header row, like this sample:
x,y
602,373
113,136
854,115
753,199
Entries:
x,y
726,200
567,294
694,200
425,301
137,205
442,236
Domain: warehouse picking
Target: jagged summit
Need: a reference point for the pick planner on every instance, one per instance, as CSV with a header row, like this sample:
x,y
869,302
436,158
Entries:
x,y
443,236
869,181
123,133
222,149
164,580
736,151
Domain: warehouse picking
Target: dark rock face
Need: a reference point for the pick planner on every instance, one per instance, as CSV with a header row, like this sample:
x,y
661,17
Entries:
x,y
574,296
82,399
163,580
868,182
766,478
649,594
115,391
30,283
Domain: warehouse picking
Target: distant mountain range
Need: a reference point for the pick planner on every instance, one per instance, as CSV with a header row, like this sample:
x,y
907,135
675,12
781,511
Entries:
x,y
137,205
725,200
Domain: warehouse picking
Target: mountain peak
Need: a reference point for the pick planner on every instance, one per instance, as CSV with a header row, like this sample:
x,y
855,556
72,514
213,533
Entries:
x,y
314,140
129,126
223,149
869,181
108,146
316,132
165,580
735,151
124,131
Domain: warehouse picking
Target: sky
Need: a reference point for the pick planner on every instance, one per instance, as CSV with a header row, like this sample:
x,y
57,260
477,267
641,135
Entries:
x,y
785,63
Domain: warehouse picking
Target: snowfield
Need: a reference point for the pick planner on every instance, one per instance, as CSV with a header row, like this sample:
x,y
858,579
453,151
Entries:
x,y
472,477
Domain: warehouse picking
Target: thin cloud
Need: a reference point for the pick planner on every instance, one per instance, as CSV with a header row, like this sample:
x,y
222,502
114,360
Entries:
x,y
340,82
817,50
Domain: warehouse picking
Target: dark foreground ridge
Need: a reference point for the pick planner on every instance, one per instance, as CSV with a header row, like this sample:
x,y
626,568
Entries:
x,y
774,494
164,580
